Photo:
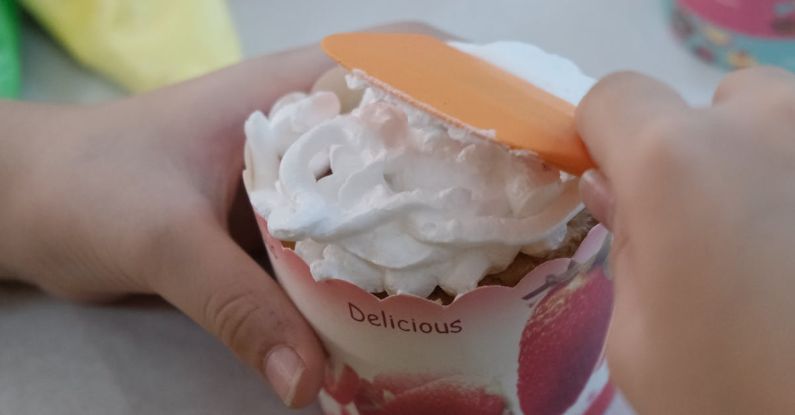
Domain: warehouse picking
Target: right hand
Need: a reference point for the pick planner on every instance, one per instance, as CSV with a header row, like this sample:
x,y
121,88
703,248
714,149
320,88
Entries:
x,y
702,205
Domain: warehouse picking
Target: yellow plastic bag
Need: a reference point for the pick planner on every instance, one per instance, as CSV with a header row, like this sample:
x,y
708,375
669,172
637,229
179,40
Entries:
x,y
142,44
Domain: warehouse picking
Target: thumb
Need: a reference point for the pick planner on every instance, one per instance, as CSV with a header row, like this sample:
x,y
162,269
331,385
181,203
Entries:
x,y
219,286
611,120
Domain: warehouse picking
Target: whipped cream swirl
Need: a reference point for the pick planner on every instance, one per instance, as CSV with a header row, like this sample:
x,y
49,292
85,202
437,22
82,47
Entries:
x,y
390,199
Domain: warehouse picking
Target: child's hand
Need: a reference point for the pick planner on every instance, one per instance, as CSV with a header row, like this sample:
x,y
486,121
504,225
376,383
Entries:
x,y
702,204
141,195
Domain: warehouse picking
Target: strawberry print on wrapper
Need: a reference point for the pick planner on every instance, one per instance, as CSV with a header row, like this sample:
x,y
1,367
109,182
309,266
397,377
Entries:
x,y
562,343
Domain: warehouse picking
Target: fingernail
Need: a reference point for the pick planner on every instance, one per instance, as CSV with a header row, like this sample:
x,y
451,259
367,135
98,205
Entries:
x,y
597,196
283,368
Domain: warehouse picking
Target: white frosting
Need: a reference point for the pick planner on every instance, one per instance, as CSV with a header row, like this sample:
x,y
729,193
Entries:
x,y
409,203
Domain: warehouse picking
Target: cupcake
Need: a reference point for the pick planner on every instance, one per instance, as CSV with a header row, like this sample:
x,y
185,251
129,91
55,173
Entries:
x,y
444,273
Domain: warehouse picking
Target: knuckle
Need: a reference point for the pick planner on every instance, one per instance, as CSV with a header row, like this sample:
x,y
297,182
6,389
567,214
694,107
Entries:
x,y
155,248
661,145
755,74
761,109
605,85
662,128
768,72
661,157
781,103
611,89
164,241
615,80
752,82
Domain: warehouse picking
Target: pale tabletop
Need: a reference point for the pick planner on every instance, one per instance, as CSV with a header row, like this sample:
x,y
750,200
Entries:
x,y
143,357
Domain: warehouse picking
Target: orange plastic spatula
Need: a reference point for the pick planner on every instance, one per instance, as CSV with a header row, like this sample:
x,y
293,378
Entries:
x,y
466,91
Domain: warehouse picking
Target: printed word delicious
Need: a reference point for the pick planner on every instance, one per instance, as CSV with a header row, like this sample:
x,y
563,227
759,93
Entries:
x,y
388,321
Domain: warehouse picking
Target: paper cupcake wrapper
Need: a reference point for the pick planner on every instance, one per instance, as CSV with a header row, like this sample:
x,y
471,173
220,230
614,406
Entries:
x,y
536,348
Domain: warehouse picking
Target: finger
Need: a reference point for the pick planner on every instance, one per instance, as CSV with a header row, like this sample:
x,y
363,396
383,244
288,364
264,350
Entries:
x,y
597,196
756,79
229,95
217,104
214,282
613,114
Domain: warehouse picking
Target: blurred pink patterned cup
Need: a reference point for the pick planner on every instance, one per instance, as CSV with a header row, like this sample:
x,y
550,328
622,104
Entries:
x,y
737,33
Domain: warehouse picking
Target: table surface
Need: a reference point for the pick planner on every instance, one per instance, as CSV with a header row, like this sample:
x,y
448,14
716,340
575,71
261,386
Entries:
x,y
143,357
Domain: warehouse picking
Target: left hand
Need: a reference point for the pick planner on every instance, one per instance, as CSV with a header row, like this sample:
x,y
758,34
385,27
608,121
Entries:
x,y
144,195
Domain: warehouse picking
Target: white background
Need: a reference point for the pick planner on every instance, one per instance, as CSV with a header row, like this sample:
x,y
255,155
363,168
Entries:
x,y
144,357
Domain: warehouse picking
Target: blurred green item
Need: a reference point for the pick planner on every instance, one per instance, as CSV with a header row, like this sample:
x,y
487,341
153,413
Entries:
x,y
9,50
142,44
